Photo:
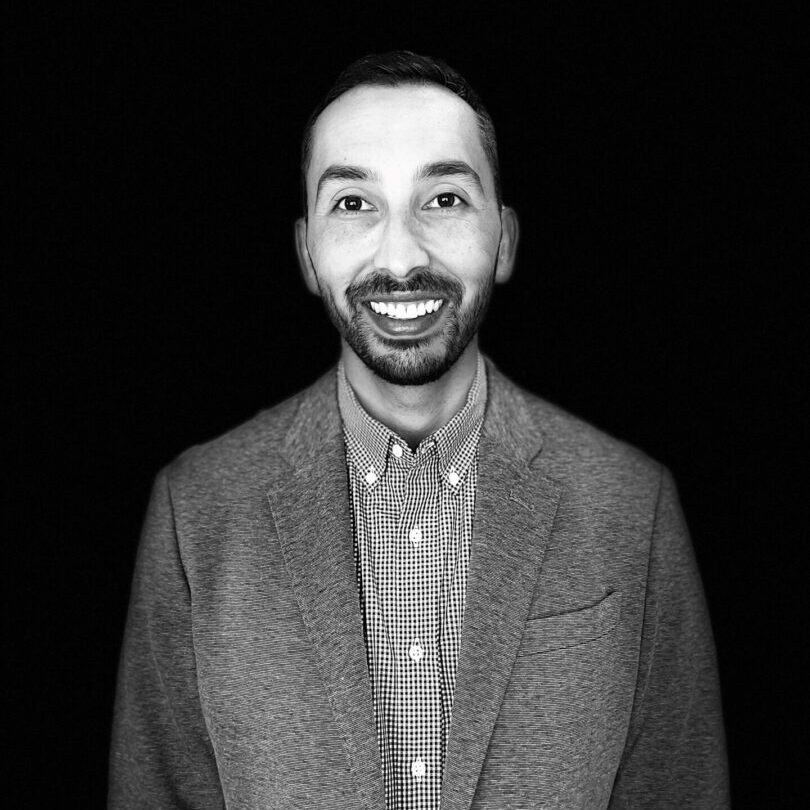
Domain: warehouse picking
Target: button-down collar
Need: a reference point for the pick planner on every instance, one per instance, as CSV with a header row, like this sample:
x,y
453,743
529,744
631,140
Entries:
x,y
374,442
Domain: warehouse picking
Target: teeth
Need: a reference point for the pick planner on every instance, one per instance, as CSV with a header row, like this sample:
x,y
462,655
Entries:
x,y
406,310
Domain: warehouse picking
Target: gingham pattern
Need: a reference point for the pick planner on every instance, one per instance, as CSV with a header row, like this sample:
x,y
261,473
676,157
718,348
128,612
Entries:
x,y
413,518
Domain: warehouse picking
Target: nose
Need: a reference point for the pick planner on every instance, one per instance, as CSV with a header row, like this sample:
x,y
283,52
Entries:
x,y
400,248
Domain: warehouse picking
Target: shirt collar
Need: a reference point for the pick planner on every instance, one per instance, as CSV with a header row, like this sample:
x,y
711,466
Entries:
x,y
455,442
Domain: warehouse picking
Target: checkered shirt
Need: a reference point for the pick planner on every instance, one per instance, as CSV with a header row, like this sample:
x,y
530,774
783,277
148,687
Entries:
x,y
413,516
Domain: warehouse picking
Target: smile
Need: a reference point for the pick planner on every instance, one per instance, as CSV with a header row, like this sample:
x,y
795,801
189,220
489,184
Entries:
x,y
406,310
407,318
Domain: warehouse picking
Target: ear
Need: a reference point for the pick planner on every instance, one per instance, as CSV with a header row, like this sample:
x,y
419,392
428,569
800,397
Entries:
x,y
510,232
304,259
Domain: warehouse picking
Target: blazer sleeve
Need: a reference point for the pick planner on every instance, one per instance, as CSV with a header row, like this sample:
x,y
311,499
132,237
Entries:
x,y
161,754
675,756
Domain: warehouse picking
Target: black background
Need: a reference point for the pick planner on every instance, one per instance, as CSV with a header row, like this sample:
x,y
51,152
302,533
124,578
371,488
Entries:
x,y
649,151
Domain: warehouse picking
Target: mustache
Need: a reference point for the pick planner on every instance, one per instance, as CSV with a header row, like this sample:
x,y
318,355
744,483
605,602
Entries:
x,y
420,281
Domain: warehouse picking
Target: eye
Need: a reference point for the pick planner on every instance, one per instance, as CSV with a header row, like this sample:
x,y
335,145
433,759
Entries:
x,y
352,203
445,200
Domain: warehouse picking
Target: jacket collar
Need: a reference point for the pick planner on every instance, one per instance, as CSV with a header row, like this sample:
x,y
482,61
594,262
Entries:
x,y
514,513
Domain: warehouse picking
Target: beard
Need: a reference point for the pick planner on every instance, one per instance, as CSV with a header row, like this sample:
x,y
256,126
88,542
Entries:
x,y
421,360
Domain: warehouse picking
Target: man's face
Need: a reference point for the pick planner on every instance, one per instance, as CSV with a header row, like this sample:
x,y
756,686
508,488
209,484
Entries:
x,y
404,237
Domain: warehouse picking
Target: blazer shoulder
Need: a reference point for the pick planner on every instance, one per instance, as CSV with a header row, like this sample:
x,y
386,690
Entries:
x,y
247,452
574,448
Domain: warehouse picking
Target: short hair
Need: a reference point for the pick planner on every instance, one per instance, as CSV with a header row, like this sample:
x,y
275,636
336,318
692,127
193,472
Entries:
x,y
393,69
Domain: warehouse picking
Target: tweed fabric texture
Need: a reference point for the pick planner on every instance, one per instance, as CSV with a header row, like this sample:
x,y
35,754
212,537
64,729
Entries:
x,y
586,676
412,513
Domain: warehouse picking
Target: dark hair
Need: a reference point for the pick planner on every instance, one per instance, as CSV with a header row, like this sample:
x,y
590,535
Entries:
x,y
393,69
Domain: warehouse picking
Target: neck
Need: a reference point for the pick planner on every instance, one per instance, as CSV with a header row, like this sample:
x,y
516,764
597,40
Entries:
x,y
412,411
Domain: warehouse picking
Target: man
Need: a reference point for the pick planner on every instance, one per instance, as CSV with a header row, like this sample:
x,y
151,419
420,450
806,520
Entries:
x,y
414,583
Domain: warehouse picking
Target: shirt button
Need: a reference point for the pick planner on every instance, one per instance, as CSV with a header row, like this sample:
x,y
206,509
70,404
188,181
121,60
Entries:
x,y
418,768
416,536
416,652
397,451
453,478
371,477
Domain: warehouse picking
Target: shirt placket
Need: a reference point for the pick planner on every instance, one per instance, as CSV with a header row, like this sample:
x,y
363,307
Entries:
x,y
418,699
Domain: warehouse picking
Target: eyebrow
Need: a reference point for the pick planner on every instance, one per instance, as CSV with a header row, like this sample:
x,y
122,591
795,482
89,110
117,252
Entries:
x,y
337,172
430,171
448,168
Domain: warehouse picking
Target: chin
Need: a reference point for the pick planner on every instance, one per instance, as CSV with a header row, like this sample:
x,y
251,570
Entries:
x,y
413,363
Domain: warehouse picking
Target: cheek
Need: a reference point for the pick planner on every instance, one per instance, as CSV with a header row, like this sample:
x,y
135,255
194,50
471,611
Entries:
x,y
338,252
463,247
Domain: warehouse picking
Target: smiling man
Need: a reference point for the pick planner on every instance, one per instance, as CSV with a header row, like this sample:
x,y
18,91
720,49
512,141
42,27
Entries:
x,y
414,585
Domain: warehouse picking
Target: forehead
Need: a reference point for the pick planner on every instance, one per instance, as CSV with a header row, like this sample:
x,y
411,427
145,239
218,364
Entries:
x,y
390,128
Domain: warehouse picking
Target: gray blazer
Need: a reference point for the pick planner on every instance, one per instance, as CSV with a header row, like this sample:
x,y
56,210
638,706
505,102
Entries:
x,y
587,674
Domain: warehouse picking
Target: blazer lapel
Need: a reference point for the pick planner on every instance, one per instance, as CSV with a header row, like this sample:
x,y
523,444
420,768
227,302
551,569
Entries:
x,y
310,506
514,513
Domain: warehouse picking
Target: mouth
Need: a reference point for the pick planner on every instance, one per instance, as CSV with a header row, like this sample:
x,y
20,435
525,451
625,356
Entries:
x,y
406,310
414,317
